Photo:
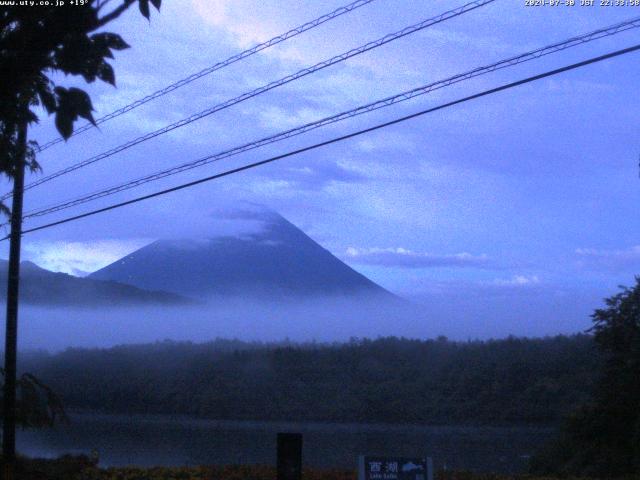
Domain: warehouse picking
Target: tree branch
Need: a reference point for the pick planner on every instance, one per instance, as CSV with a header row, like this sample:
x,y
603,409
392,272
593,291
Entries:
x,y
101,4
115,13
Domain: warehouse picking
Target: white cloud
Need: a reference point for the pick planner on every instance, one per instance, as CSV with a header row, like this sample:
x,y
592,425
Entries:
x,y
523,285
628,253
225,14
385,141
609,259
249,24
401,257
279,118
573,86
516,281
79,258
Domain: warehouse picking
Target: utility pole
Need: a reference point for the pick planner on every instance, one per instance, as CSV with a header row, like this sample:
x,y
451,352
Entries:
x,y
11,336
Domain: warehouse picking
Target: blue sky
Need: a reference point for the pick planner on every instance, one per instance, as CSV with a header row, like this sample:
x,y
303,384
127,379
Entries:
x,y
518,209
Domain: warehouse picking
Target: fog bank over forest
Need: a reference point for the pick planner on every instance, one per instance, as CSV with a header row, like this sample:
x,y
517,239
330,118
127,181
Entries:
x,y
323,319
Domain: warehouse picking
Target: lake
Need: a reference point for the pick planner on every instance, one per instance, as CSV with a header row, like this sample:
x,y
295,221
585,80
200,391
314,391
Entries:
x,y
147,440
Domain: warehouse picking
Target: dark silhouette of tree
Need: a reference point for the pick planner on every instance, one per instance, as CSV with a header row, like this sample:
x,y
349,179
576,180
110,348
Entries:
x,y
37,404
36,42
603,437
510,381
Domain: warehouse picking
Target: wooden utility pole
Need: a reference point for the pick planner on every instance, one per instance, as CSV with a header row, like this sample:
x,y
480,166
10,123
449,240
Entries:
x,y
11,336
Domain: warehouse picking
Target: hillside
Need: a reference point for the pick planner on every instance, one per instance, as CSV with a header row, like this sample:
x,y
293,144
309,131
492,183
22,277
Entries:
x,y
43,287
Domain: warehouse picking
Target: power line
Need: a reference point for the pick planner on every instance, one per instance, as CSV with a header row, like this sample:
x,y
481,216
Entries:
x,y
341,138
225,63
401,97
270,86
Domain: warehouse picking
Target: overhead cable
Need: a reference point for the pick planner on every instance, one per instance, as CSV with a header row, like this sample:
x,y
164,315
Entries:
x,y
225,63
385,102
338,139
270,86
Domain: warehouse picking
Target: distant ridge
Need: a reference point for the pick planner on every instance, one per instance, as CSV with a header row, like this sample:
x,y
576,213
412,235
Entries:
x,y
43,287
276,260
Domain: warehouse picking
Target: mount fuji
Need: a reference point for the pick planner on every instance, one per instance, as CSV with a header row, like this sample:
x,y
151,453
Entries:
x,y
276,260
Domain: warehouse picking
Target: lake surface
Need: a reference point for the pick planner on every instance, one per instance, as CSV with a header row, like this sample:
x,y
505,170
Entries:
x,y
147,440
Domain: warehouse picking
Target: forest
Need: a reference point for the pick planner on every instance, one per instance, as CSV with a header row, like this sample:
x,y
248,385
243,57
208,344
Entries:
x,y
394,380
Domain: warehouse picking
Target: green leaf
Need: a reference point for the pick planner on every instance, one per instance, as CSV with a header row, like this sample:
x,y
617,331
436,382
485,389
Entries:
x,y
30,157
106,74
43,87
144,8
82,103
81,55
110,40
64,124
72,103
48,100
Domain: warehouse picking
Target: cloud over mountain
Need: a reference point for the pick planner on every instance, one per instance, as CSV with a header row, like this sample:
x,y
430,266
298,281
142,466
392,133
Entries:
x,y
276,260
404,258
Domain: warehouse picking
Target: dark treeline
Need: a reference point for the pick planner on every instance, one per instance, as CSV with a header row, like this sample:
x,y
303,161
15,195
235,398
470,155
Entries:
x,y
386,380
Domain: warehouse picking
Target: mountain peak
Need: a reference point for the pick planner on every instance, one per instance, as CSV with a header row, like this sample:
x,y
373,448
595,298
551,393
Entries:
x,y
272,258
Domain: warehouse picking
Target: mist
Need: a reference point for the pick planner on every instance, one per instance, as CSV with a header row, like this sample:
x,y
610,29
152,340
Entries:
x,y
326,319
321,319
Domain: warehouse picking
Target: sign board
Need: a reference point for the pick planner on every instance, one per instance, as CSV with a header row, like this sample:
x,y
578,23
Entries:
x,y
289,453
394,468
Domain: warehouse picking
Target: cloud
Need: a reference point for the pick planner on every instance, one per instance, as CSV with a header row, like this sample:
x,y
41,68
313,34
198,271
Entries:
x,y
245,210
403,258
79,258
325,172
222,14
312,177
516,281
448,37
609,259
483,287
279,118
239,20
244,220
574,86
387,141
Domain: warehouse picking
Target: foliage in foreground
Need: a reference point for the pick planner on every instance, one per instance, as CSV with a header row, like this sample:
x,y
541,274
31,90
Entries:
x,y
82,468
603,437
37,406
40,41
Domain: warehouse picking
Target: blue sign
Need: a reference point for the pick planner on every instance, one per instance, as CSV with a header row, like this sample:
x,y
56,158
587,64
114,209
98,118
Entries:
x,y
394,468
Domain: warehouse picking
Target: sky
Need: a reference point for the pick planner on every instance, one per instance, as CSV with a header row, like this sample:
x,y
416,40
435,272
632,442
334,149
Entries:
x,y
516,209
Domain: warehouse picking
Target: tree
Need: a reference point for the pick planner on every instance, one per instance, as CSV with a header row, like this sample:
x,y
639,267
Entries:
x,y
37,404
36,42
603,438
